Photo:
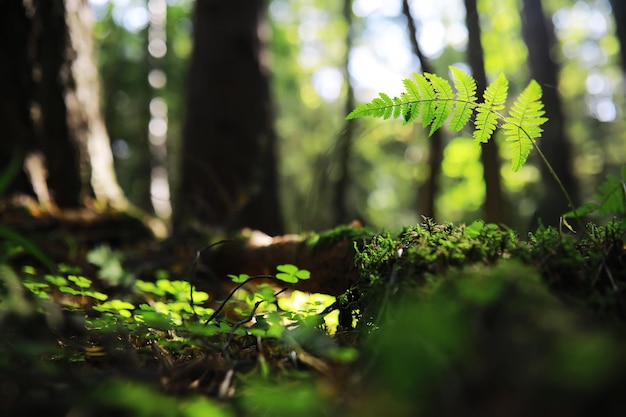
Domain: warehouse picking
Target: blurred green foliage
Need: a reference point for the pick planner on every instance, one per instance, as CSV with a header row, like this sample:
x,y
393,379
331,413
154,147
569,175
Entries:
x,y
307,53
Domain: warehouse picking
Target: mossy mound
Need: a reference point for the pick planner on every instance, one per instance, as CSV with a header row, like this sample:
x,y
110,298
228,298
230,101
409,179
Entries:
x,y
588,271
475,320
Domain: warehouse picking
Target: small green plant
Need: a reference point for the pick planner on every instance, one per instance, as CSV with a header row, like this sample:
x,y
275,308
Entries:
x,y
432,97
610,198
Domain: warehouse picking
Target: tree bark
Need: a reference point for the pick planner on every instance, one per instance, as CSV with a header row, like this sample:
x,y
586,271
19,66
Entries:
x,y
50,104
16,89
229,177
344,141
539,38
495,202
85,118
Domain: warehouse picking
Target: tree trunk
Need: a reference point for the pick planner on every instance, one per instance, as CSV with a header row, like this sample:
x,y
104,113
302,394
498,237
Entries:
x,y
539,39
495,202
229,175
50,109
619,14
344,141
429,190
16,89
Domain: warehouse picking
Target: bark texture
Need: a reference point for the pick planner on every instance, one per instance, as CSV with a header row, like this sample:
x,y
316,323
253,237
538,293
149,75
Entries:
x,y
229,175
50,104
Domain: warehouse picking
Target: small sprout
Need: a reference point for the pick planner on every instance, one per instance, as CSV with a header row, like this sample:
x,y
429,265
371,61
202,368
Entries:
x,y
291,273
97,295
80,282
238,279
116,306
57,281
29,270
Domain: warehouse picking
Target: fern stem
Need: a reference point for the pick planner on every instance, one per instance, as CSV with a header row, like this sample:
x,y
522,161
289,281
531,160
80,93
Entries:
x,y
570,203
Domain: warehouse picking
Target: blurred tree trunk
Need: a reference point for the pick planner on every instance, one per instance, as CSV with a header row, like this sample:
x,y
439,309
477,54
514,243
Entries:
x,y
539,38
619,14
428,191
50,104
496,208
229,173
344,141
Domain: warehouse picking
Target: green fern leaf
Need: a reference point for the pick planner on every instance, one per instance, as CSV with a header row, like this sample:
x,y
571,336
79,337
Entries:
x,y
411,101
612,195
397,108
428,97
381,106
522,126
465,103
444,101
388,110
487,112
412,91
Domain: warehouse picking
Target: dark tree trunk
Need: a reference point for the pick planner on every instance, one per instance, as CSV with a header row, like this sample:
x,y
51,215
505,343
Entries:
x,y
16,89
50,111
344,142
619,14
229,175
539,38
429,190
495,202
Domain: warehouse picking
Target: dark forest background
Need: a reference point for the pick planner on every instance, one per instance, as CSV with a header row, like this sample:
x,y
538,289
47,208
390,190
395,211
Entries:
x,y
212,115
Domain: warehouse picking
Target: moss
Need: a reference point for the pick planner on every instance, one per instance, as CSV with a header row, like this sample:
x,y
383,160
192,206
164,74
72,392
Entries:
x,y
589,272
341,233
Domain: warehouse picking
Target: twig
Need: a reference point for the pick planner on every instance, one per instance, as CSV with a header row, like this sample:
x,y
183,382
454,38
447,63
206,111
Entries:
x,y
192,270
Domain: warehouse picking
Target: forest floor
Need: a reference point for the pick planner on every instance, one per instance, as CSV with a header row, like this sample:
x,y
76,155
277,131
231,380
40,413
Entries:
x,y
99,319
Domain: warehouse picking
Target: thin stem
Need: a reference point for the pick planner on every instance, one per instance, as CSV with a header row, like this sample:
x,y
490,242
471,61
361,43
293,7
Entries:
x,y
570,203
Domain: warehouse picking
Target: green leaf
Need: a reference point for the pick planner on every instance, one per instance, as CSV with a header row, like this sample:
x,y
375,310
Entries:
x,y
69,290
303,274
80,282
97,295
522,126
431,97
612,195
238,279
149,287
290,278
57,281
465,103
428,94
288,268
291,273
410,101
444,102
154,319
379,107
487,112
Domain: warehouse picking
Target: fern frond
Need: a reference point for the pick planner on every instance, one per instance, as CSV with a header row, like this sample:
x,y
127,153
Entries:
x,y
612,195
522,126
412,91
444,101
410,102
610,198
487,112
464,106
428,96
381,106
